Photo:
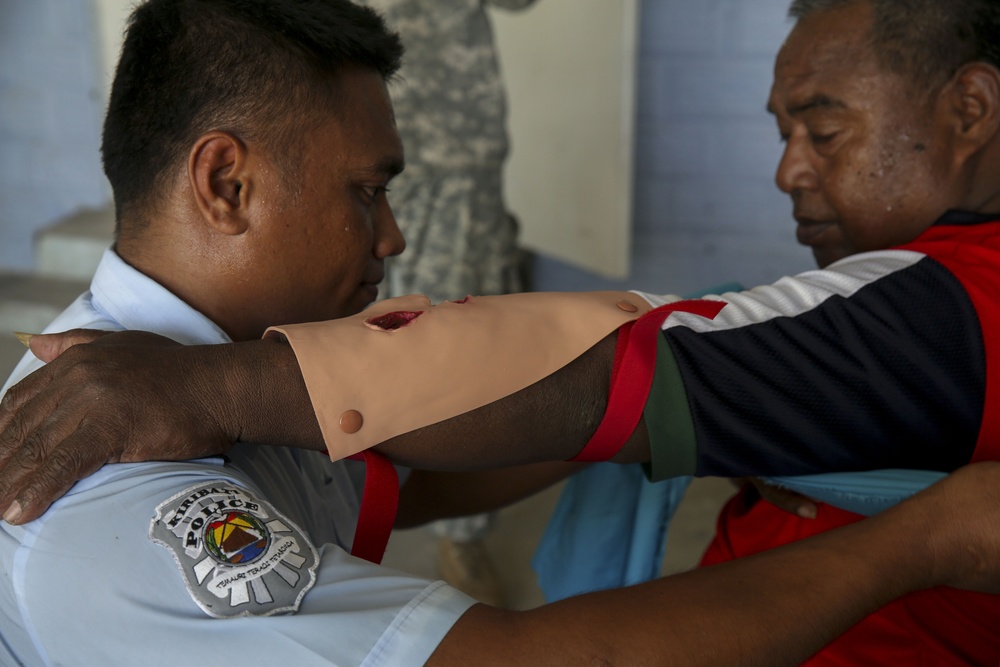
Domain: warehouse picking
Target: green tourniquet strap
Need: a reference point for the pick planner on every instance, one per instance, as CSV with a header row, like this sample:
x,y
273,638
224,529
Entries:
x,y
672,445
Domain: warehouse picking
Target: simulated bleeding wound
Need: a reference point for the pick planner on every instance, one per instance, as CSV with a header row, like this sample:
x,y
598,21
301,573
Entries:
x,y
467,299
393,321
514,340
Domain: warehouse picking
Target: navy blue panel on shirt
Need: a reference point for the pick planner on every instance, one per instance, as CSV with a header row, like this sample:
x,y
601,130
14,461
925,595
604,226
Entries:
x,y
890,377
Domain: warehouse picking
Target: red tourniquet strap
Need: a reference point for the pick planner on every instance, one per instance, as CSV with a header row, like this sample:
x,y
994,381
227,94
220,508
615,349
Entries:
x,y
379,503
632,376
620,346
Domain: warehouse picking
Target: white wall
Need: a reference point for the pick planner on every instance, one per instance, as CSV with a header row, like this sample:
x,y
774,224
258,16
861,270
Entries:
x,y
570,71
110,17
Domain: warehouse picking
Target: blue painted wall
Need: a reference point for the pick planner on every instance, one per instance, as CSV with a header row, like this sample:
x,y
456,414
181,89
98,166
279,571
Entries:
x,y
51,105
706,207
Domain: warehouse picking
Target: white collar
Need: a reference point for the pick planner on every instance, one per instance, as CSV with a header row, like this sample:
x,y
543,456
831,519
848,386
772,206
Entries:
x,y
137,302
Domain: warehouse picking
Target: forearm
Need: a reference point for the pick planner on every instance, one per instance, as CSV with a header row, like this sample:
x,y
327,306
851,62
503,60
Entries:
x,y
264,397
404,365
769,610
550,420
776,608
196,401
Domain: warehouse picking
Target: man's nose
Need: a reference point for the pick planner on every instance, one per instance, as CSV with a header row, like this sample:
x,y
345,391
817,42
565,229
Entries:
x,y
796,170
389,239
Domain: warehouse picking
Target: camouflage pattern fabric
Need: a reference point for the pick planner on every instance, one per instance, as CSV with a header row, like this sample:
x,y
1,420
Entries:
x,y
460,239
451,113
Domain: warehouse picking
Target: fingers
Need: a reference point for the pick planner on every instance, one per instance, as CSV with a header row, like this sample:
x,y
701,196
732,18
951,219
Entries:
x,y
790,501
43,473
14,422
30,452
49,346
67,419
37,416
25,338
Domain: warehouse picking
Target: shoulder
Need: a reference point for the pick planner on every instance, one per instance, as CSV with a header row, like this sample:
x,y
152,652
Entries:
x,y
147,546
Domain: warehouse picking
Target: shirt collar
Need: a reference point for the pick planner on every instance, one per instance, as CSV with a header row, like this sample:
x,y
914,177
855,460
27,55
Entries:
x,y
137,302
956,217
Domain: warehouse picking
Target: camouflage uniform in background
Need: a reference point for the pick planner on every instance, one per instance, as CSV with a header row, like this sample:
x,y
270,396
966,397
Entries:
x,y
451,110
451,114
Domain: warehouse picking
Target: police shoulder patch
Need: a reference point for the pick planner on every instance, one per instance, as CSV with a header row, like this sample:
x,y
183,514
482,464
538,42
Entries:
x,y
238,555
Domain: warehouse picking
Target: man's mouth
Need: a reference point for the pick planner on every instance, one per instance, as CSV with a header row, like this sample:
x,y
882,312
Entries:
x,y
809,232
370,290
371,281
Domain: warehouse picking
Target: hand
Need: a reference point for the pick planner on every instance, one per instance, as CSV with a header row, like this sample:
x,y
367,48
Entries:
x,y
125,397
790,501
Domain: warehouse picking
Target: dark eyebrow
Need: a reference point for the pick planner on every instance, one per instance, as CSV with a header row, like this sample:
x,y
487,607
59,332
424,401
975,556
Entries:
x,y
814,102
387,167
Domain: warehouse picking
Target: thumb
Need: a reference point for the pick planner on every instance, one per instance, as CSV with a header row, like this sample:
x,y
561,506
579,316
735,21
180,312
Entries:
x,y
49,346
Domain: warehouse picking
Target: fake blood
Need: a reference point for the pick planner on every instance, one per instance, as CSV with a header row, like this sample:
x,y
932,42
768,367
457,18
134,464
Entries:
x,y
394,321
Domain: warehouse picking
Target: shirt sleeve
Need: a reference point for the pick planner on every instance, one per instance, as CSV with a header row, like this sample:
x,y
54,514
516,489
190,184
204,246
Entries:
x,y
873,363
89,585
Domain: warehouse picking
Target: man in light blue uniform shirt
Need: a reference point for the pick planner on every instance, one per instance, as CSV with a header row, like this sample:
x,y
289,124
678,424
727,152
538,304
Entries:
x,y
100,556
249,144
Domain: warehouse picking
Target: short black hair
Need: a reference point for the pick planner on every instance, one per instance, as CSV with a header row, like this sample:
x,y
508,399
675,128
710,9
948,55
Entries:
x,y
925,41
248,67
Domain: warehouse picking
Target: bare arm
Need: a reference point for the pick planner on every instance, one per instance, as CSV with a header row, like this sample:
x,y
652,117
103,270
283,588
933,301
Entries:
x,y
776,608
550,420
135,396
142,397
947,535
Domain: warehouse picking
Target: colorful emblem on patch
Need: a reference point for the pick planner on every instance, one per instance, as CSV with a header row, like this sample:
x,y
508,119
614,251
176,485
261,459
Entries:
x,y
238,537
238,555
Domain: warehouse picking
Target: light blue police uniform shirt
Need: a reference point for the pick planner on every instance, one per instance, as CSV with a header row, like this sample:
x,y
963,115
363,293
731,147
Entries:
x,y
237,561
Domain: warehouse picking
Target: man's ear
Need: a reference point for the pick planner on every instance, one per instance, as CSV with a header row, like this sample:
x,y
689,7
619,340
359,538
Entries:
x,y
220,178
973,99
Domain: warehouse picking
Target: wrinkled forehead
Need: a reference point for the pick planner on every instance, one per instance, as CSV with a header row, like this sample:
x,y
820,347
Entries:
x,y
826,55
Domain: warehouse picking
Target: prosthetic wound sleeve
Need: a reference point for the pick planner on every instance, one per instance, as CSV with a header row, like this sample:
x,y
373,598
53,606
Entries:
x,y
632,376
403,364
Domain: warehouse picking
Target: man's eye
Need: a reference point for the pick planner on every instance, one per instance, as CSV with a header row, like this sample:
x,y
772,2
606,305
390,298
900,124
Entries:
x,y
373,191
821,139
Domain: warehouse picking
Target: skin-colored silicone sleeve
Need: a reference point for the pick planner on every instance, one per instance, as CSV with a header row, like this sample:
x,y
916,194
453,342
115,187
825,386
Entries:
x,y
368,384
